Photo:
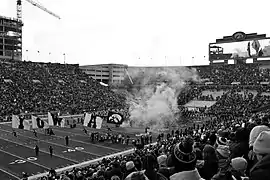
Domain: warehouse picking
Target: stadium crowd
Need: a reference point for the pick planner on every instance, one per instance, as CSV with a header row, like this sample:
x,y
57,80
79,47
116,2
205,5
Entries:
x,y
217,150
230,146
42,87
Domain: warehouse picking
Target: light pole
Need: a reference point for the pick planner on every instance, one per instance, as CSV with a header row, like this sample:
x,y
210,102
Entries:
x,y
64,58
26,54
38,55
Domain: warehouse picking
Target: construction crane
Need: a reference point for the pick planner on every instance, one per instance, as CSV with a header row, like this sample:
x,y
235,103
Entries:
x,y
17,45
19,9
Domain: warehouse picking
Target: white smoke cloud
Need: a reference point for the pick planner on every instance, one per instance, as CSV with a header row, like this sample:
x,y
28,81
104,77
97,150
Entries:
x,y
153,100
239,53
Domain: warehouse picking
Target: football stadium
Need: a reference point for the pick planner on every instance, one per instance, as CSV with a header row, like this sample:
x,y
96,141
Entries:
x,y
119,122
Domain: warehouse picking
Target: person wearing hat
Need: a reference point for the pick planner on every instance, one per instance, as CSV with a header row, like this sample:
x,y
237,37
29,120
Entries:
x,y
256,130
162,160
261,147
223,154
184,159
240,148
115,170
238,168
221,141
150,165
210,162
130,168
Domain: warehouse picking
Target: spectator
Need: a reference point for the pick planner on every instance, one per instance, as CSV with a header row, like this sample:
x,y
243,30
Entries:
x,y
210,165
239,167
261,148
185,161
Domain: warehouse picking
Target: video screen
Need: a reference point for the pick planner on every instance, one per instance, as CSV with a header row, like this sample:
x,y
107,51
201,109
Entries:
x,y
243,49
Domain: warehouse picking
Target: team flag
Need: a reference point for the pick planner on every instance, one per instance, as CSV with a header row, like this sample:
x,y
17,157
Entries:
x,y
20,123
26,125
87,119
38,123
114,118
34,122
15,121
99,121
62,123
54,120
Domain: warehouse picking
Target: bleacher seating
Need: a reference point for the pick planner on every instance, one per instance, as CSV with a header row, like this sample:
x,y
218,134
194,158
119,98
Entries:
x,y
41,87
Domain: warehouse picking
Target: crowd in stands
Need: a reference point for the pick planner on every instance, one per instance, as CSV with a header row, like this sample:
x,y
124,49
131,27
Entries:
x,y
230,146
245,74
42,87
221,149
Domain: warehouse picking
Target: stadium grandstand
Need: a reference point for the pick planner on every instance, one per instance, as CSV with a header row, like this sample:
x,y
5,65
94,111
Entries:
x,y
231,109
66,122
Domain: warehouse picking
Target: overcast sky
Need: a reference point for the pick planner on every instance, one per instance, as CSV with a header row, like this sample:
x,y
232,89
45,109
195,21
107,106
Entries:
x,y
138,32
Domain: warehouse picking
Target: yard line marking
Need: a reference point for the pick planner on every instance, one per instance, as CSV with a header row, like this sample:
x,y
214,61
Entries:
x,y
87,142
48,142
79,126
24,159
4,171
39,150
62,137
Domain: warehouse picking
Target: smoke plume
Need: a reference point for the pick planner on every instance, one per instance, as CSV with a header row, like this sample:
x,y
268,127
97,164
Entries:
x,y
153,96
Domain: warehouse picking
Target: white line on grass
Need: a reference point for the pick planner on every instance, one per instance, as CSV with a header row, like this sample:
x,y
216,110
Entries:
x,y
48,142
25,159
27,146
4,171
85,142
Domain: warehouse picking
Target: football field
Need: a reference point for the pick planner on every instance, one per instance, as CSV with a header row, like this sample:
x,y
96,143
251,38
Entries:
x,y
17,154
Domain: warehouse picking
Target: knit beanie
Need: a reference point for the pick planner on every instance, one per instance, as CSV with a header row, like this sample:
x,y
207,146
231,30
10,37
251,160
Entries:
x,y
183,151
223,150
162,160
255,133
221,141
209,149
261,144
130,165
239,164
115,177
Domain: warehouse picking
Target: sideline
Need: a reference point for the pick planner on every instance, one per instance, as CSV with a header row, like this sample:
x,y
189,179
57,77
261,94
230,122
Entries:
x,y
8,173
83,164
49,142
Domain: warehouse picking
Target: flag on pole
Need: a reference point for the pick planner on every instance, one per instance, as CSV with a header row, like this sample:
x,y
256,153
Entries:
x,y
15,121
34,122
20,123
99,121
53,119
50,119
26,125
114,118
87,119
62,124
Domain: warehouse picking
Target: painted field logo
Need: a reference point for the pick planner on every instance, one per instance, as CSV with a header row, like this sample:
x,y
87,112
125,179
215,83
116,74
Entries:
x,y
21,161
73,150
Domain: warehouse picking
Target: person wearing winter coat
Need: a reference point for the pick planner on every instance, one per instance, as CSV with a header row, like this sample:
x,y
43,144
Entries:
x,y
210,163
261,147
184,160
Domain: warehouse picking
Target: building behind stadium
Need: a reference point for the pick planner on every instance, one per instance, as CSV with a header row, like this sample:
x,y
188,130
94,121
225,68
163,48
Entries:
x,y
10,38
